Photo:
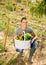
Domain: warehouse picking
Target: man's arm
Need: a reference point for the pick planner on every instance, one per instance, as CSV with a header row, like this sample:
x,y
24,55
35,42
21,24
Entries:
x,y
34,36
15,34
13,37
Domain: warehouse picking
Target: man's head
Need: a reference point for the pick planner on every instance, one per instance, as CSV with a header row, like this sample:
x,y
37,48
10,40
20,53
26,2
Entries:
x,y
24,23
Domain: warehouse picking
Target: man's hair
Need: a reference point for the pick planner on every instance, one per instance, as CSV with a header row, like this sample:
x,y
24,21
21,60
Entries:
x,y
24,18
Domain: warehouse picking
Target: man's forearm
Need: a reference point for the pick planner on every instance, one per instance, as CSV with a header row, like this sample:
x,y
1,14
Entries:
x,y
14,37
35,38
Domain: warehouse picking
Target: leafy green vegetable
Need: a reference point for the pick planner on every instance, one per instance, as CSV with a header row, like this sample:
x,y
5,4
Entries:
x,y
17,37
22,38
27,36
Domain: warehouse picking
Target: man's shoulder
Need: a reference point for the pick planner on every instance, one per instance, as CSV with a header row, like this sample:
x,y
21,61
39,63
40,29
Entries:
x,y
18,28
28,27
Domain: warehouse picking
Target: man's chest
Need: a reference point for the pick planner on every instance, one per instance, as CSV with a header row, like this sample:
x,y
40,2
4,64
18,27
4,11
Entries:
x,y
21,31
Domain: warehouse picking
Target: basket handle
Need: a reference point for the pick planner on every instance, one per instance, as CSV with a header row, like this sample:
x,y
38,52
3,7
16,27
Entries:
x,y
24,35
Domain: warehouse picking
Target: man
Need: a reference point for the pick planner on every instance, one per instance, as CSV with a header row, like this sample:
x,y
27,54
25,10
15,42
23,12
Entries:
x,y
28,29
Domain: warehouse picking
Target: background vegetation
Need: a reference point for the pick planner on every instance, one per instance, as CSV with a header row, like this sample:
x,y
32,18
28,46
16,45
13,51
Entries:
x,y
11,12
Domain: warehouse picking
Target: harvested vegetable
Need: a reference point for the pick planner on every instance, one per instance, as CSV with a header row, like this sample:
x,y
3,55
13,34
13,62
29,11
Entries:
x,y
27,36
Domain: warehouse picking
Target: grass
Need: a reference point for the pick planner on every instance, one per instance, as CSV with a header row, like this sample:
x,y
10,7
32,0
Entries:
x,y
1,62
16,61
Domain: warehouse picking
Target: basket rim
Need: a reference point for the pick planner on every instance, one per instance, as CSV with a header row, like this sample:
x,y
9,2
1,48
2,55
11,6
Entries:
x,y
23,40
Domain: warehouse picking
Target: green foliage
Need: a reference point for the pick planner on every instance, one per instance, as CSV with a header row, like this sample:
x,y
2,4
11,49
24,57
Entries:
x,y
32,10
11,29
29,2
19,1
9,7
14,8
1,62
1,3
39,9
2,25
17,38
44,34
22,38
39,33
12,61
1,46
28,36
16,61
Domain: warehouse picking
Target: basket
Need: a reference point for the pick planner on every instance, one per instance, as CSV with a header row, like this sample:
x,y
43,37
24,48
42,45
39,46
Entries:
x,y
22,44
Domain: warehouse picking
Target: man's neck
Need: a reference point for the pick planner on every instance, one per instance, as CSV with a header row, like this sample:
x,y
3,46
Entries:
x,y
23,28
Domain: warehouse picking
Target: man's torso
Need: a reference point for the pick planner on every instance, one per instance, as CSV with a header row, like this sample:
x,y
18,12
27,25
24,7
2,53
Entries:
x,y
20,31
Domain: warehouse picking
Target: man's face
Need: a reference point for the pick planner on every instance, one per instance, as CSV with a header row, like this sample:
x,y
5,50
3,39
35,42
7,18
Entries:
x,y
24,24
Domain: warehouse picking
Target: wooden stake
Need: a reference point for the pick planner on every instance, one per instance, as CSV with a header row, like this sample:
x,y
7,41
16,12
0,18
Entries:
x,y
7,30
